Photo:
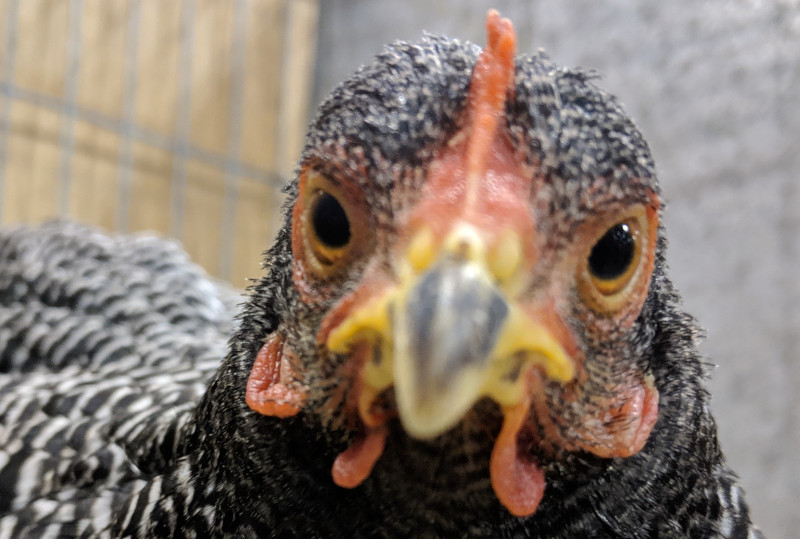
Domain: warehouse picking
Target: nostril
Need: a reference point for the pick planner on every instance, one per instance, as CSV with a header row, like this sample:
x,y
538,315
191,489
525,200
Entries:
x,y
465,242
463,249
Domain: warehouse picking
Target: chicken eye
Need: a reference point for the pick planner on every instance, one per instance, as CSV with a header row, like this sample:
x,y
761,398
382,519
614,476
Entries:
x,y
329,220
613,260
612,255
331,224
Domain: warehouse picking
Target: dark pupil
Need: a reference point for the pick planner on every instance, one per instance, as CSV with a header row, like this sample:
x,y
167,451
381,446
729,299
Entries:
x,y
612,255
330,222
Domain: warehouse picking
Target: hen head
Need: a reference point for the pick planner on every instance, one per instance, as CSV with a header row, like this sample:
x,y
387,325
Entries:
x,y
473,240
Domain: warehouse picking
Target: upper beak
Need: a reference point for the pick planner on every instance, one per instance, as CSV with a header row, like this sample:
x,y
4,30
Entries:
x,y
448,335
445,329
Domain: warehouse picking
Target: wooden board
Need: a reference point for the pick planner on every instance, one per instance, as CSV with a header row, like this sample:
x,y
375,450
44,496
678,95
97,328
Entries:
x,y
257,216
32,165
93,189
151,189
172,116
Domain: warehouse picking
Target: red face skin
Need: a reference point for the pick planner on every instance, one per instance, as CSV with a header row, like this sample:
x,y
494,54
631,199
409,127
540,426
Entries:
x,y
477,180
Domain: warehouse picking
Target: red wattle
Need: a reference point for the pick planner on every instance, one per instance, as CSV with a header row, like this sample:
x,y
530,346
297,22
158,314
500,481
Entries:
x,y
517,479
354,465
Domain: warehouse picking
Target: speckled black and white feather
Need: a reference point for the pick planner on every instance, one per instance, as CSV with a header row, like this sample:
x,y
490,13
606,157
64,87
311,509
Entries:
x,y
105,428
106,344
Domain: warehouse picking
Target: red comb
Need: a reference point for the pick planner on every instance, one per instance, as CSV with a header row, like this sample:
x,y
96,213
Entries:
x,y
492,80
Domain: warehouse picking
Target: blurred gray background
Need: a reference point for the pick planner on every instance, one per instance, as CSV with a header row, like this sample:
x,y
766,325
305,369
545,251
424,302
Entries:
x,y
714,86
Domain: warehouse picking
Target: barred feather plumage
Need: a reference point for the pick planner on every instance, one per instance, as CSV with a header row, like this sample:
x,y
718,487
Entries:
x,y
107,344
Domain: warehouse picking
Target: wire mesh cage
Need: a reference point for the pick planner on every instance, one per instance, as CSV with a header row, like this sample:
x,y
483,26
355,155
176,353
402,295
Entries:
x,y
183,117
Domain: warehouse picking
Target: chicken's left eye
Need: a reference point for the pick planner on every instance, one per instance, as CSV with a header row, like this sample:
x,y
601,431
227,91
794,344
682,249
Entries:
x,y
612,262
612,255
330,222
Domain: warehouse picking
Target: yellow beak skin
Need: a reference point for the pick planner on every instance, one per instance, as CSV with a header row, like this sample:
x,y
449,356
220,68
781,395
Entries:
x,y
448,336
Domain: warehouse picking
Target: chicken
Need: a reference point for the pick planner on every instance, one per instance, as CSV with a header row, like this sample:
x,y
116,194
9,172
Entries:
x,y
465,328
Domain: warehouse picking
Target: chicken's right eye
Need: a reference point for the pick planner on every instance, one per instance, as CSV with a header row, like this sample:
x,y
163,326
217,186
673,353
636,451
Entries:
x,y
331,224
329,220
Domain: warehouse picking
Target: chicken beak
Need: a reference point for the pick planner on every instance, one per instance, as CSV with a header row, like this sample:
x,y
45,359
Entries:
x,y
445,329
447,336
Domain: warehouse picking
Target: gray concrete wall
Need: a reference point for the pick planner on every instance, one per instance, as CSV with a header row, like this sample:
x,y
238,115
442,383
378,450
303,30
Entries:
x,y
714,85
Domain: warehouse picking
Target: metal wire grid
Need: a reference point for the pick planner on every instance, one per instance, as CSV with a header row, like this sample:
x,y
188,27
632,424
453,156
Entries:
x,y
179,145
